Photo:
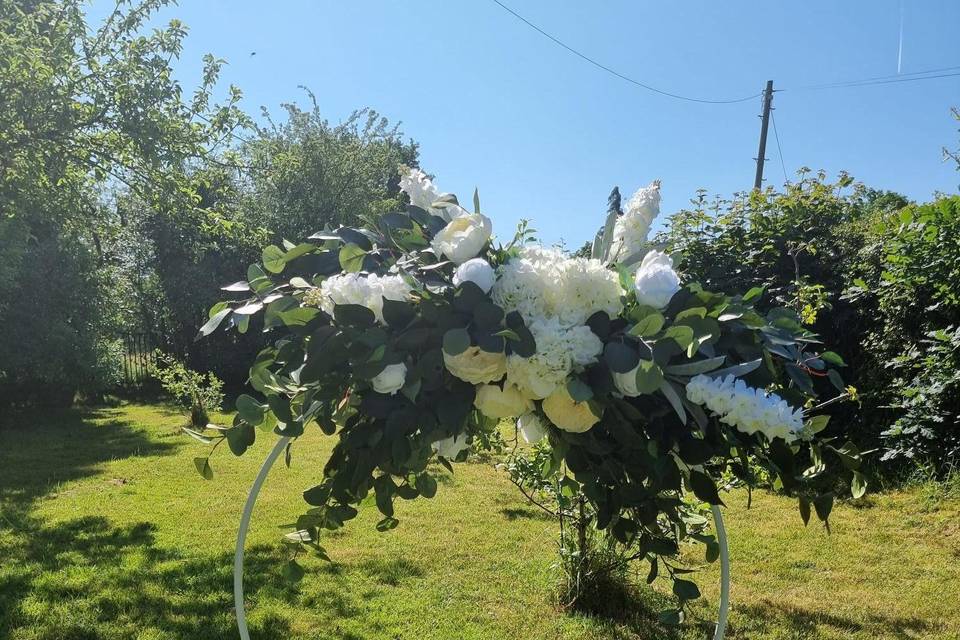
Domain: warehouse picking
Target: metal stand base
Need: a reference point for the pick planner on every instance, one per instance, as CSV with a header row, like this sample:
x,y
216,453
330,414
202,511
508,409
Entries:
x,y
278,448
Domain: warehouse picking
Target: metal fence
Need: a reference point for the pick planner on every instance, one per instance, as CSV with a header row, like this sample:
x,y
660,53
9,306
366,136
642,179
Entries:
x,y
138,358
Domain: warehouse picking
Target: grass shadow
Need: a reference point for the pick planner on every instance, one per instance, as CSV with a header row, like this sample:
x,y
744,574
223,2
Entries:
x,y
40,450
767,616
66,580
526,513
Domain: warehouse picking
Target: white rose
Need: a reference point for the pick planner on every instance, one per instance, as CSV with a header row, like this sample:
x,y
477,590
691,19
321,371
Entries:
x,y
478,271
656,281
531,427
451,447
494,402
463,237
391,379
476,365
567,413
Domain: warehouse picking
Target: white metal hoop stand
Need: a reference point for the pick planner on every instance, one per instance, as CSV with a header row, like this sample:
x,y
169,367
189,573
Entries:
x,y
278,449
721,629
242,537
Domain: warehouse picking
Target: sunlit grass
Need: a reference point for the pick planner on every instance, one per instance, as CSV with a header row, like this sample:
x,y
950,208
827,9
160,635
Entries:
x,y
108,532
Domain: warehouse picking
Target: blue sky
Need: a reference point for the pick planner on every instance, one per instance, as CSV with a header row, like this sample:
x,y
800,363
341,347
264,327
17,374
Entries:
x,y
545,136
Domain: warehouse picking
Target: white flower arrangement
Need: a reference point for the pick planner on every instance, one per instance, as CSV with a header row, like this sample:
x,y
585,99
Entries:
x,y
417,335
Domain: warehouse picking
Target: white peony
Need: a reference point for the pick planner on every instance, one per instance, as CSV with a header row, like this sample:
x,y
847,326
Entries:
x,y
631,229
560,350
354,288
476,366
568,414
478,271
451,447
656,282
749,410
531,427
463,237
494,402
391,379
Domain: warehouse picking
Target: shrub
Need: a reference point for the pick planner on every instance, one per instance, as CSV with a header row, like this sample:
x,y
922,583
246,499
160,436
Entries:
x,y
910,275
194,391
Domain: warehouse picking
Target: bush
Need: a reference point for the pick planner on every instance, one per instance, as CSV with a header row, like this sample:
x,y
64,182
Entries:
x,y
909,280
873,275
197,393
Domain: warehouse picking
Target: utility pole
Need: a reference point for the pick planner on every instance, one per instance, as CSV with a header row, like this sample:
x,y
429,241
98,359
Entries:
x,y
767,102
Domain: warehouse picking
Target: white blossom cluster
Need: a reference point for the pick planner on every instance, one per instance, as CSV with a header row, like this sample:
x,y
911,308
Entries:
x,y
544,283
354,288
422,193
631,229
555,295
561,350
749,410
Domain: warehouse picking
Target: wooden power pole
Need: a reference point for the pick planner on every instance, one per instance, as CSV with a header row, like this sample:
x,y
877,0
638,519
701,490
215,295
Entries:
x,y
765,122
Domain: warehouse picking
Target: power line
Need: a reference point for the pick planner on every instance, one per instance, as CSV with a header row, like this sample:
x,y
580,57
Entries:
x,y
776,135
901,77
612,71
863,82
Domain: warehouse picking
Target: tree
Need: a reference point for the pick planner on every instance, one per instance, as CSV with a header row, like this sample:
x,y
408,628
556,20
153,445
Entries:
x,y
307,173
84,112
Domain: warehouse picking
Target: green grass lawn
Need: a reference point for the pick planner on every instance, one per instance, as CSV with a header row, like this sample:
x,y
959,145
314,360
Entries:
x,y
107,531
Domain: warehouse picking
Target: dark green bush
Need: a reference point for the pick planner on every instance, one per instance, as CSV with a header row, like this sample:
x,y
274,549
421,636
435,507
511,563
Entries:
x,y
875,276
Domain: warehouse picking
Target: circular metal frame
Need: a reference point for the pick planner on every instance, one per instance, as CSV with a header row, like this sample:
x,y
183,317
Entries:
x,y
278,448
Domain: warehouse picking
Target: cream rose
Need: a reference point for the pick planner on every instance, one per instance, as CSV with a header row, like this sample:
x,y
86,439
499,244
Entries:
x,y
391,379
494,402
568,414
463,237
476,366
656,281
531,427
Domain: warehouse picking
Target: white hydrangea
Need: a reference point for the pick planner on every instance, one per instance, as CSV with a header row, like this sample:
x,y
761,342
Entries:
x,y
366,290
560,350
423,194
529,283
749,410
544,283
587,286
631,229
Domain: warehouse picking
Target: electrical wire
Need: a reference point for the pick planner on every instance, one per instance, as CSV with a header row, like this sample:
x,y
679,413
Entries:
x,y
901,77
776,136
614,72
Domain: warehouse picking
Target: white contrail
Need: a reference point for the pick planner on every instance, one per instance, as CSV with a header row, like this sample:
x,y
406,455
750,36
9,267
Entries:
x,y
900,47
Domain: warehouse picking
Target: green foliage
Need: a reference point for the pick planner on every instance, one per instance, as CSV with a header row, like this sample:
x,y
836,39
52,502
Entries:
x,y
874,276
915,264
199,394
85,111
308,174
